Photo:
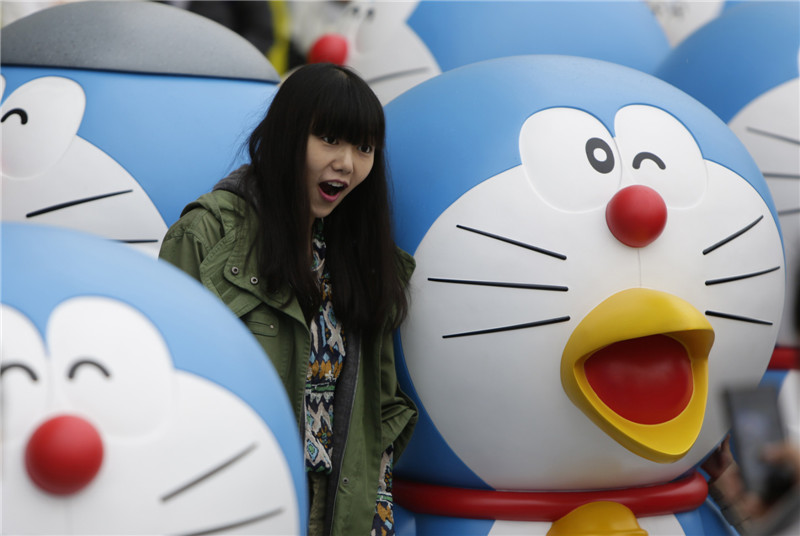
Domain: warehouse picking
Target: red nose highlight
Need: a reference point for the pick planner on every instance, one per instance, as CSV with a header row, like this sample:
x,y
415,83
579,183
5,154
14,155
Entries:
x,y
330,48
636,215
64,454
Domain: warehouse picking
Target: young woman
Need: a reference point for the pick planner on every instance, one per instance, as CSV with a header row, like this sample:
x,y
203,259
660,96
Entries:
x,y
298,244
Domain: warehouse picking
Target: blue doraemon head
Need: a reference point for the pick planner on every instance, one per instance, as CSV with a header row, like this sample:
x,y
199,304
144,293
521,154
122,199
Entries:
x,y
175,419
396,45
117,114
539,284
744,67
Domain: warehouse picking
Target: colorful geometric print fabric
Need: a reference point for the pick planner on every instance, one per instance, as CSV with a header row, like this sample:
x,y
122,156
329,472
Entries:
x,y
324,366
328,351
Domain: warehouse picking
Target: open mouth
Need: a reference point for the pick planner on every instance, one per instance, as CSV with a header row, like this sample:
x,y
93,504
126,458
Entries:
x,y
637,365
331,189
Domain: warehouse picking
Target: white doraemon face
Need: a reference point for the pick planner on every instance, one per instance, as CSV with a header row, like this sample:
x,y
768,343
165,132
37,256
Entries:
x,y
162,451
52,176
537,297
769,127
381,46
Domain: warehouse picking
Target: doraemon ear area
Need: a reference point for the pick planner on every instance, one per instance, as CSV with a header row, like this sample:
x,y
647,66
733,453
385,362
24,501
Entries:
x,y
39,121
637,366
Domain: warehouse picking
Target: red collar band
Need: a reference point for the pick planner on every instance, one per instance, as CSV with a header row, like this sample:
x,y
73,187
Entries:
x,y
679,496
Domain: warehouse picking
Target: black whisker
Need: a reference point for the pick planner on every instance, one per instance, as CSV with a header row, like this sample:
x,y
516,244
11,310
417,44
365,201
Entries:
x,y
739,318
138,241
237,524
789,211
514,242
772,175
509,328
735,235
398,74
208,474
526,286
73,203
740,277
773,135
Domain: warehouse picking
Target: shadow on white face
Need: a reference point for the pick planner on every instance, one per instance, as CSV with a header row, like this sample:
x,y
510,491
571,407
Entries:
x,y
52,176
178,453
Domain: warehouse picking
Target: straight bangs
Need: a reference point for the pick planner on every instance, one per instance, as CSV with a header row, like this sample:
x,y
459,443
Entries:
x,y
348,110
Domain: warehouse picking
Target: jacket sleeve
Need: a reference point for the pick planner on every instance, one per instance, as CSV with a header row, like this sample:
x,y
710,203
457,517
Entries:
x,y
399,414
189,240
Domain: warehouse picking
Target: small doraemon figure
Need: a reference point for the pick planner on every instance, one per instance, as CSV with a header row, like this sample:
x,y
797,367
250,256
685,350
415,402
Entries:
x,y
133,401
397,45
116,114
598,257
744,66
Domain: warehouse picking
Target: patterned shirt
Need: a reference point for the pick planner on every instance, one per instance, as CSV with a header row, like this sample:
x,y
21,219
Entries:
x,y
325,362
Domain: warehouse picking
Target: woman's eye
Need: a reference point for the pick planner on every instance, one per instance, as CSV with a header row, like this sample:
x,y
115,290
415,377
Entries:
x,y
366,149
328,139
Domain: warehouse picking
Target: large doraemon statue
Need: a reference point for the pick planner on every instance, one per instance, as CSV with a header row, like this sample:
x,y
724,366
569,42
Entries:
x,y
598,256
134,402
744,66
116,114
397,45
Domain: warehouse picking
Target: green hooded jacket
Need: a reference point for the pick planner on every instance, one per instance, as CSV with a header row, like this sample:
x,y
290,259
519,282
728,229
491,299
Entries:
x,y
211,242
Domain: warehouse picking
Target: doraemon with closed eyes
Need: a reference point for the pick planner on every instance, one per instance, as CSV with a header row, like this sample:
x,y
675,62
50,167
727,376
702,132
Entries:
x,y
397,45
116,114
134,402
744,66
598,257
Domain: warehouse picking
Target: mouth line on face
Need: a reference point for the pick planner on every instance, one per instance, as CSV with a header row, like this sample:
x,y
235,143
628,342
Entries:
x,y
237,524
75,202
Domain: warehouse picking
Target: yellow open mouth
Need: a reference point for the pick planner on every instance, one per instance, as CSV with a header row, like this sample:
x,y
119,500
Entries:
x,y
637,365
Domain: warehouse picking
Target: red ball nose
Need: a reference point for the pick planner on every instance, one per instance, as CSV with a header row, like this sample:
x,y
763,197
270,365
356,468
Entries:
x,y
330,48
64,454
636,215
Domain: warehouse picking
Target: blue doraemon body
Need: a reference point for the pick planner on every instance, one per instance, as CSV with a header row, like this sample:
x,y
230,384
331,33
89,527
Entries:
x,y
176,421
396,45
744,67
558,338
117,114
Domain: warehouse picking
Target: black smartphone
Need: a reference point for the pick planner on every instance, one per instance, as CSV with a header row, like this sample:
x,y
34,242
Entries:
x,y
755,421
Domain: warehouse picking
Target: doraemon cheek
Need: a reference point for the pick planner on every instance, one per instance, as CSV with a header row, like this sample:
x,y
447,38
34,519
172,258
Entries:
x,y
570,159
111,365
24,375
659,152
39,121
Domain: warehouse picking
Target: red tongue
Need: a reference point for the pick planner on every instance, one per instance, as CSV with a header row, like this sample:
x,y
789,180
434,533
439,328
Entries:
x,y
646,380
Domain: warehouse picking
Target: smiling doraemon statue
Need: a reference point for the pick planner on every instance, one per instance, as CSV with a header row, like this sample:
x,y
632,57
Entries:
x,y
134,402
598,256
397,45
744,66
116,114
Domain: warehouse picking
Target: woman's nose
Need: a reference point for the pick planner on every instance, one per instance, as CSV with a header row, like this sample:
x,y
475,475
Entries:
x,y
344,159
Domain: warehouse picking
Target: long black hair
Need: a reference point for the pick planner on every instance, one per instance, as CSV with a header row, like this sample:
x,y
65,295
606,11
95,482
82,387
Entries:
x,y
364,265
